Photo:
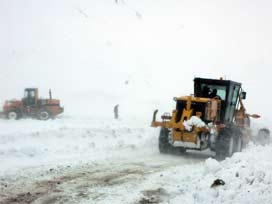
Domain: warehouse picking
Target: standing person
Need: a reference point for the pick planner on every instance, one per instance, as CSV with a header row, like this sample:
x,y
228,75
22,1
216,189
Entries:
x,y
115,110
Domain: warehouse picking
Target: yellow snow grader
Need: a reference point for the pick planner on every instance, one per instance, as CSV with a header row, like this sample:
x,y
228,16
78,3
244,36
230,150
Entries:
x,y
213,117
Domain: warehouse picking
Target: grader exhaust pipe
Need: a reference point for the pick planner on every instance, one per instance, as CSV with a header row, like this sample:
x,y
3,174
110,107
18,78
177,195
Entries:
x,y
154,115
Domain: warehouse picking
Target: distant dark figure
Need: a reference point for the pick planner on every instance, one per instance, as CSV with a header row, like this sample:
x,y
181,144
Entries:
x,y
205,92
115,110
214,93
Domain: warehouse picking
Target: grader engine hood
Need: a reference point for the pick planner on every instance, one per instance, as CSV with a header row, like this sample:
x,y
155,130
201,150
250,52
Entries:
x,y
191,112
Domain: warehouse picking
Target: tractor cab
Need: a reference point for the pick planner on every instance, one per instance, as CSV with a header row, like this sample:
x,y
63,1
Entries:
x,y
225,90
30,97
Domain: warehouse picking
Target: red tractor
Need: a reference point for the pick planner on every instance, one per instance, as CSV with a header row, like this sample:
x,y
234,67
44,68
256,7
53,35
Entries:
x,y
32,106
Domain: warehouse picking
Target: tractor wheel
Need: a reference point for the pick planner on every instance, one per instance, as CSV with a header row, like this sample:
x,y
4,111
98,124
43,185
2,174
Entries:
x,y
164,145
44,115
225,144
13,115
263,137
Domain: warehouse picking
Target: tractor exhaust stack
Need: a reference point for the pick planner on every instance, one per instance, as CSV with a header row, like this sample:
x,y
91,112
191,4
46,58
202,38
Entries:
x,y
50,94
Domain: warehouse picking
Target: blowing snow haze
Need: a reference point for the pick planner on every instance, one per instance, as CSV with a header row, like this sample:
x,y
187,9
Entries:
x,y
137,53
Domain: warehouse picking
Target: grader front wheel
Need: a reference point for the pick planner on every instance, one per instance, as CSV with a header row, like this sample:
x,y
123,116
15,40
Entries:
x,y
164,145
225,144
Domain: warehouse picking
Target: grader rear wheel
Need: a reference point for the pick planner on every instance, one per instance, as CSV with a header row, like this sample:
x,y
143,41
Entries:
x,y
164,145
263,137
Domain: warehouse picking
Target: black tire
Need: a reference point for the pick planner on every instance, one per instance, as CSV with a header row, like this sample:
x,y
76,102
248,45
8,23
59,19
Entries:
x,y
13,114
165,147
225,144
238,146
44,115
263,137
181,150
238,140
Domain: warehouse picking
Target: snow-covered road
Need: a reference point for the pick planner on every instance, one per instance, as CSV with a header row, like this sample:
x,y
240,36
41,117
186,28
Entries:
x,y
82,160
35,155
111,181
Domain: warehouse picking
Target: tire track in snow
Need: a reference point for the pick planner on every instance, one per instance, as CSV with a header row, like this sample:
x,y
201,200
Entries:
x,y
76,185
97,183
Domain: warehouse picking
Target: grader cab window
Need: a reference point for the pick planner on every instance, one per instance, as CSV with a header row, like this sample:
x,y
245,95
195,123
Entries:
x,y
211,91
226,90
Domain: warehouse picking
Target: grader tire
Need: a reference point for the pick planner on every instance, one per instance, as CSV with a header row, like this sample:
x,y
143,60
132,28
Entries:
x,y
164,145
263,137
238,140
225,144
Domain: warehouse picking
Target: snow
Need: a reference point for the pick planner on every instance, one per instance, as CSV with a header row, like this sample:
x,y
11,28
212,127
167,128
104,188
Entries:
x,y
193,121
247,176
139,54
35,142
78,152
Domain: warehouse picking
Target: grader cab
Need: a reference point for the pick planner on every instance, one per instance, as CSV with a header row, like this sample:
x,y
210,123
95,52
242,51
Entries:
x,y
213,117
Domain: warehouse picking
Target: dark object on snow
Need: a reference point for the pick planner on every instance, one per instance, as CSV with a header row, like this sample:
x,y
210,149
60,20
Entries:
x,y
115,110
217,182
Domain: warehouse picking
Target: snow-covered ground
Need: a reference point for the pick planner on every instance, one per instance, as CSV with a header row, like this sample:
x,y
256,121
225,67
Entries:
x,y
87,160
138,54
29,143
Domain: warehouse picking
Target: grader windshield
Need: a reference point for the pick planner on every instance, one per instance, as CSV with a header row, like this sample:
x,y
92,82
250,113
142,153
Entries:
x,y
211,91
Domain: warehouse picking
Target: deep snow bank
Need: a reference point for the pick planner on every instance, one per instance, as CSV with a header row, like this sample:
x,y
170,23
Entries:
x,y
247,176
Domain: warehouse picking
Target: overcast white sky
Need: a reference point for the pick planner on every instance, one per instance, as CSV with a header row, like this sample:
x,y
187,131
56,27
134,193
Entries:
x,y
85,50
